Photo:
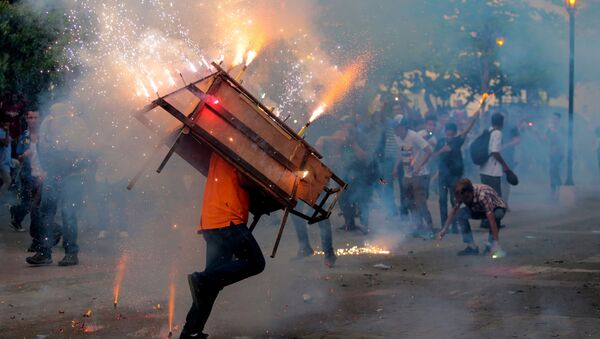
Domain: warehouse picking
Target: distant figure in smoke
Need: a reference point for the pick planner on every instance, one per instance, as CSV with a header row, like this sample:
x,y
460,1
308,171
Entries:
x,y
111,205
305,249
387,160
428,133
510,141
414,155
31,177
597,132
64,155
347,149
232,253
554,137
481,202
5,158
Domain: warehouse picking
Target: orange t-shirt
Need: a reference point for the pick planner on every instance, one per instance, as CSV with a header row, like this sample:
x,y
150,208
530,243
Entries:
x,y
225,201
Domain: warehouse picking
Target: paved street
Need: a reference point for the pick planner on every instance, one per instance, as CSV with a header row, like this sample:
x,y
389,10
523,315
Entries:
x,y
547,287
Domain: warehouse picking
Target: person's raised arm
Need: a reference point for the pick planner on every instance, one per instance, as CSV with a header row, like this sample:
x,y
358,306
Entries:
x,y
471,124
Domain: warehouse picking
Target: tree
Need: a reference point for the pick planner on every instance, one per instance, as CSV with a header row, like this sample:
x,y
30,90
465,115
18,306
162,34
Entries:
x,y
32,44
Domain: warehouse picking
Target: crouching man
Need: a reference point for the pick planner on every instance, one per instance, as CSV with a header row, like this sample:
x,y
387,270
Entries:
x,y
481,202
232,253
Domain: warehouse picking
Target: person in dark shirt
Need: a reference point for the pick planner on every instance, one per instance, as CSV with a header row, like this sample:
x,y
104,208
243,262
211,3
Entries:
x,y
450,165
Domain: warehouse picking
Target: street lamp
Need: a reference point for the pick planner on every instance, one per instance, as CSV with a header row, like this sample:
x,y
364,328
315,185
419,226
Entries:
x,y
571,8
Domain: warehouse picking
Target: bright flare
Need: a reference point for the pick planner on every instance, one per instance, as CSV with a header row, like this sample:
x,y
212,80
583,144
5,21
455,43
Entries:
x,y
341,86
119,276
171,305
317,113
250,57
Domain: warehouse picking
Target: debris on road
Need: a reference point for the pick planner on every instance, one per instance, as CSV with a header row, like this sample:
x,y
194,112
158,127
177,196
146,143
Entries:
x,y
382,266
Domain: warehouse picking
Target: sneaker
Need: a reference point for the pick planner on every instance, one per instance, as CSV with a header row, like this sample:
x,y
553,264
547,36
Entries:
x,y
102,234
69,260
330,260
188,335
469,251
123,234
17,227
39,259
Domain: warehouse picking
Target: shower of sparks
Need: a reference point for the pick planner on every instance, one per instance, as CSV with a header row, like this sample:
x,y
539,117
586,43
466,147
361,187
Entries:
x,y
129,51
358,250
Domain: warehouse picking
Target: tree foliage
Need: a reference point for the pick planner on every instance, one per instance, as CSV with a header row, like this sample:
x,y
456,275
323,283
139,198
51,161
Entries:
x,y
32,47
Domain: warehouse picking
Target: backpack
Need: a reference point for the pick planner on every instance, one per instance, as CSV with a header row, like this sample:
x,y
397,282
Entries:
x,y
480,148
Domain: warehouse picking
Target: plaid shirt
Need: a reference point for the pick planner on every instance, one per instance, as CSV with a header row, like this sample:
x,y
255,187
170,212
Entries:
x,y
485,199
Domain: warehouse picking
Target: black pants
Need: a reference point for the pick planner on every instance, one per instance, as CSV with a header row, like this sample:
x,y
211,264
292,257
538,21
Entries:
x,y
29,195
222,269
446,188
493,182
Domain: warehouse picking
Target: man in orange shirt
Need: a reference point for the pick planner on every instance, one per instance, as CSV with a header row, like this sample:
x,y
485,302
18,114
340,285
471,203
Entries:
x,y
223,225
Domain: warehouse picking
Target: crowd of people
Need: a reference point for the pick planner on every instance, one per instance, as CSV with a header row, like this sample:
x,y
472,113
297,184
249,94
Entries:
x,y
393,153
43,176
388,154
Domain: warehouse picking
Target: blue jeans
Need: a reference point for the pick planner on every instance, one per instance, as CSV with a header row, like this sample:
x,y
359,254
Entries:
x,y
302,234
388,197
555,180
232,255
112,205
463,216
65,193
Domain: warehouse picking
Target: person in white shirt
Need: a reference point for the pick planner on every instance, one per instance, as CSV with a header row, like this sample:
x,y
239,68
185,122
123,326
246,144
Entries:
x,y
414,154
491,172
428,133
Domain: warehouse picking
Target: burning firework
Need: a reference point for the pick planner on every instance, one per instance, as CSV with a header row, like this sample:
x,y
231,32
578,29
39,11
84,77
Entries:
x,y
337,90
358,250
171,306
120,272
341,86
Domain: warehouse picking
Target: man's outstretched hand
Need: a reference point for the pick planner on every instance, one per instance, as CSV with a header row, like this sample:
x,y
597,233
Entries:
x,y
441,234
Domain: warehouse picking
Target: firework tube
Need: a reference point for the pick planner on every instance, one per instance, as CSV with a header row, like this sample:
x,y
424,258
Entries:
x,y
303,130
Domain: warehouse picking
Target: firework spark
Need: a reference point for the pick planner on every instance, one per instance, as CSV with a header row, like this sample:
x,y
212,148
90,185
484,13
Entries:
x,y
359,250
119,276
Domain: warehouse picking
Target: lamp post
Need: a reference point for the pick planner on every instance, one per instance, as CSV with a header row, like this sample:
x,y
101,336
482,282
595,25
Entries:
x,y
571,8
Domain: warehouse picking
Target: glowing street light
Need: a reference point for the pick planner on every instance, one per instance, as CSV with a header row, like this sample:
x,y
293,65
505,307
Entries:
x,y
500,41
